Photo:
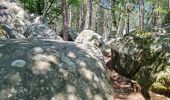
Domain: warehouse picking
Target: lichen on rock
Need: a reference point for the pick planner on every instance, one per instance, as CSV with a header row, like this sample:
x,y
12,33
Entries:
x,y
142,58
53,70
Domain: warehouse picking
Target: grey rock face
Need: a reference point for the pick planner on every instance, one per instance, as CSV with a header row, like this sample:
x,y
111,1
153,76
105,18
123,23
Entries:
x,y
12,14
95,40
144,57
89,37
17,23
51,70
40,31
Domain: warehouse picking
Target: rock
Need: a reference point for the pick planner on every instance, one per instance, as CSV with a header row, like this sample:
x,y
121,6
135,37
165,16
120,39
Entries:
x,y
95,40
13,15
89,37
143,56
135,96
8,32
3,33
17,23
40,31
52,70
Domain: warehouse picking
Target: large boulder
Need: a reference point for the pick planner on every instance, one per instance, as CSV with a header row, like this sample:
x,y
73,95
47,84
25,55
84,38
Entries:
x,y
145,57
40,31
89,37
95,40
16,23
13,16
40,69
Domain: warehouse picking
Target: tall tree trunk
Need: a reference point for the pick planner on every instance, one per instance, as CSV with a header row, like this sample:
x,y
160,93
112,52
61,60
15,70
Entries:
x,y
71,14
114,16
155,17
88,20
129,10
82,16
77,19
100,21
128,23
65,20
141,14
168,5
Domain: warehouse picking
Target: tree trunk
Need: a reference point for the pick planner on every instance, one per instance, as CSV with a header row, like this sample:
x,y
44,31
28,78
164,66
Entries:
x,y
100,21
77,19
129,10
169,5
65,20
141,14
114,16
71,14
155,15
88,20
82,17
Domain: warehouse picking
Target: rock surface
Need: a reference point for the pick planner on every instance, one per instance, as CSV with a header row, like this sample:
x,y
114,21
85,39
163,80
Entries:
x,y
32,69
16,23
95,40
40,31
13,16
144,56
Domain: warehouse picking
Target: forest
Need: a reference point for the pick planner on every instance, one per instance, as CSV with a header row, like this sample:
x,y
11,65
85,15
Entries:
x,y
85,50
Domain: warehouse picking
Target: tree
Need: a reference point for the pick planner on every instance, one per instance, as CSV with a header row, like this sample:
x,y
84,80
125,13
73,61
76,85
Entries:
x,y
100,19
65,20
88,20
141,14
168,5
81,18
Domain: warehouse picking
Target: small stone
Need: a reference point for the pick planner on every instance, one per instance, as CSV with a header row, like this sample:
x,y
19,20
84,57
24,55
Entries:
x,y
13,90
53,98
18,63
9,95
1,55
42,81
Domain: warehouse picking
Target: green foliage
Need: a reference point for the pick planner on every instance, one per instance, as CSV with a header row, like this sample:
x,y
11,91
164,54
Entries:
x,y
73,2
160,10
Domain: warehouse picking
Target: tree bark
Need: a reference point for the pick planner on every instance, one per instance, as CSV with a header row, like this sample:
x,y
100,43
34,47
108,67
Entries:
x,y
168,5
82,16
100,22
141,14
65,20
71,14
155,15
88,20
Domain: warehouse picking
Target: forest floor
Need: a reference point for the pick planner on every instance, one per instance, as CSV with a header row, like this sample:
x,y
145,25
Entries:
x,y
124,90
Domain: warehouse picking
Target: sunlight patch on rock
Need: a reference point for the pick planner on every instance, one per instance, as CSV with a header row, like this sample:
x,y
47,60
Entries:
x,y
71,54
41,67
87,73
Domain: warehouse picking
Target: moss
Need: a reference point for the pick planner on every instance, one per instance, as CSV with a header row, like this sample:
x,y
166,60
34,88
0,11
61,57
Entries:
x,y
3,33
159,88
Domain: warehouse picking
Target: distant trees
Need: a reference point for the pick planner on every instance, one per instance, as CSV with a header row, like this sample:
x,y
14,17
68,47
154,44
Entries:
x,y
102,16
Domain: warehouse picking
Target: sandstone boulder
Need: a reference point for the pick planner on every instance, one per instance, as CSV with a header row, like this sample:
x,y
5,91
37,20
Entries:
x,y
144,56
95,40
13,15
40,69
40,31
